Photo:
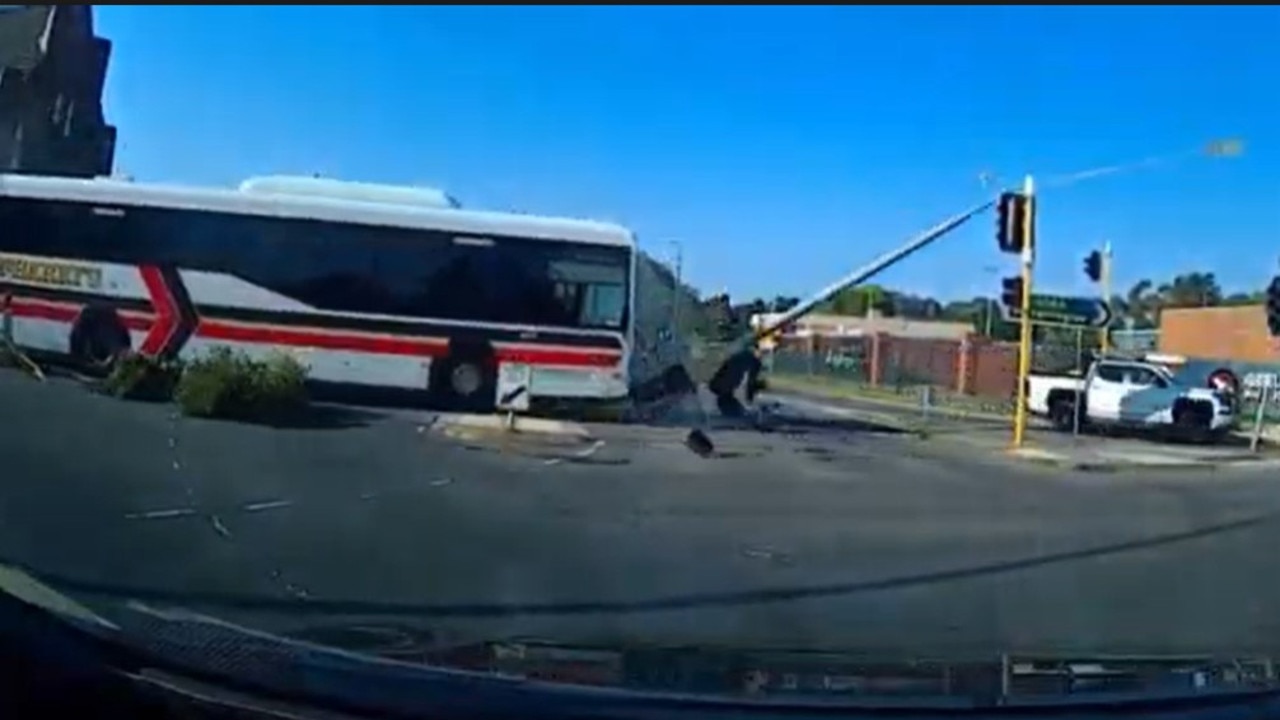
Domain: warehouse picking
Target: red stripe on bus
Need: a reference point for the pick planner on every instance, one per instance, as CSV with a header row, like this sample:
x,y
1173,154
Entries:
x,y
532,355
136,321
297,337
390,344
43,310
326,340
38,309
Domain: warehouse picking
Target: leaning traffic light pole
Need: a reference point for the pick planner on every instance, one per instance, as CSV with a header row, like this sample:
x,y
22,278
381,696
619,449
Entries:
x,y
729,375
1028,237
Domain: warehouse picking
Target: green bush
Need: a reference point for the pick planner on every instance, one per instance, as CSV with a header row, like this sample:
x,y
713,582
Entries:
x,y
229,384
138,377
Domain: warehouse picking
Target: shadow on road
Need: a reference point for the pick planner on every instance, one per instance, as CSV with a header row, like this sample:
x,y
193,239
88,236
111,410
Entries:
x,y
796,425
315,417
691,601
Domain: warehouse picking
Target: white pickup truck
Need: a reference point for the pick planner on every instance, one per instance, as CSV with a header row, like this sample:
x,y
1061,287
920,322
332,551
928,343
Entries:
x,y
1133,394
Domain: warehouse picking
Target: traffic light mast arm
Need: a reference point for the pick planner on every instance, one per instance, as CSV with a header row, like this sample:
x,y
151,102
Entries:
x,y
1024,322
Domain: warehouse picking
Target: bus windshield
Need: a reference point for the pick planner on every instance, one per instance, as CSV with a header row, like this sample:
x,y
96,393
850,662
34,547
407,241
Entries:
x,y
593,294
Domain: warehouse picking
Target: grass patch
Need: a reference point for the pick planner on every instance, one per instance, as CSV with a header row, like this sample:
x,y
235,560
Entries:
x,y
909,397
142,378
231,385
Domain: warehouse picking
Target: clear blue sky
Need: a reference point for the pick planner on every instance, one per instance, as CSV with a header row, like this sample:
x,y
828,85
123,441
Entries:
x,y
779,146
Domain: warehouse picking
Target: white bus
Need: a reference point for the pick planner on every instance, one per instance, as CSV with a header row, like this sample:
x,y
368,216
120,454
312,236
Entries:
x,y
371,286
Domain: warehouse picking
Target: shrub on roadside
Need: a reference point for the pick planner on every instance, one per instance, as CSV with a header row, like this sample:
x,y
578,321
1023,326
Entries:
x,y
231,385
138,377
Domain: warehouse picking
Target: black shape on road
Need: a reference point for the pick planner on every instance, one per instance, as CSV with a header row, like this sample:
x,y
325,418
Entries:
x,y
700,444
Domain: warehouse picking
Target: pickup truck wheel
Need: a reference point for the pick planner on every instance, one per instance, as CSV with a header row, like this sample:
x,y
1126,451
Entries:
x,y
1191,420
1062,412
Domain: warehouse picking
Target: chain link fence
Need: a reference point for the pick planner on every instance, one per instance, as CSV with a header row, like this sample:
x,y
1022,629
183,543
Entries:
x,y
908,371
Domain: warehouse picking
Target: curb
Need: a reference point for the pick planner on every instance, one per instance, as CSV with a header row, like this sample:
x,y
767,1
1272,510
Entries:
x,y
523,426
1044,457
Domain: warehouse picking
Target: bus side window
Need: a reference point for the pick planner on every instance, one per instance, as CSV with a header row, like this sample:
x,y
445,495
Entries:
x,y
59,229
21,230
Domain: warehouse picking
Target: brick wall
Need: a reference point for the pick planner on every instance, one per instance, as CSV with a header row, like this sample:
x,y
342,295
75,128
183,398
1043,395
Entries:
x,y
1229,333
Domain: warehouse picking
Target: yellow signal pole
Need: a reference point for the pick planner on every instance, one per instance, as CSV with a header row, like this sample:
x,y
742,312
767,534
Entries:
x,y
1105,334
1024,323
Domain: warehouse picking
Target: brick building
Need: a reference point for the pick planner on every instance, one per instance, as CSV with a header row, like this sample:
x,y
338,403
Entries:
x,y
52,71
1235,333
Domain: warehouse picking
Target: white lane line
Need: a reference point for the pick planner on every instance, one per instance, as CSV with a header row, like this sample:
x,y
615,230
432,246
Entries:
x,y
161,514
267,505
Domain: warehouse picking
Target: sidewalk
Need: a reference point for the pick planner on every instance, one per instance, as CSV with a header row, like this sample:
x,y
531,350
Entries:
x,y
899,415
1109,459
910,412
943,405
992,435
464,426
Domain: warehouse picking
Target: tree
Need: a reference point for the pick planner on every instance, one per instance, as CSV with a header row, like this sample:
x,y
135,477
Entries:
x,y
1193,289
1140,306
783,303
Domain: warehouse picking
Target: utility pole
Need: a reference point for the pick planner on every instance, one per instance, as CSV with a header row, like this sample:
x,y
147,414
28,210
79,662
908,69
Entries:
x,y
1105,334
991,303
1024,322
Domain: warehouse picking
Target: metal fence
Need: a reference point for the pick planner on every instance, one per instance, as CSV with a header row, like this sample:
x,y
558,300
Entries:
x,y
975,368
1135,342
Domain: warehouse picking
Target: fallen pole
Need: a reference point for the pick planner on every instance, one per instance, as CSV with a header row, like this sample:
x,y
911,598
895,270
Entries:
x,y
728,376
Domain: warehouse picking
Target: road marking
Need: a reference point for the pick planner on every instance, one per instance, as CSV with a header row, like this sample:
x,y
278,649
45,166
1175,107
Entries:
x,y
218,527
577,455
267,505
161,514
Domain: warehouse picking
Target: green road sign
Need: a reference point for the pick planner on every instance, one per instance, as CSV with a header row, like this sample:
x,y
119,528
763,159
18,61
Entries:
x,y
1065,310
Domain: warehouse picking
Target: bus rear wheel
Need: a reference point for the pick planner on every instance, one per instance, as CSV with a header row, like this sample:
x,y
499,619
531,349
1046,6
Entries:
x,y
466,380
98,340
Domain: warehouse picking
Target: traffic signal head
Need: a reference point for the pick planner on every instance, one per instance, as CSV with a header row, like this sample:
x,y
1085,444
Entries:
x,y
1011,292
1012,222
1273,307
1093,266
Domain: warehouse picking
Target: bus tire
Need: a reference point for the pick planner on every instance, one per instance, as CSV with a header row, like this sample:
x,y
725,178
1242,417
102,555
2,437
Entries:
x,y
467,379
98,340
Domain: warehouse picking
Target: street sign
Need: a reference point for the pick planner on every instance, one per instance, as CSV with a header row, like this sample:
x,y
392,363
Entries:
x,y
1065,310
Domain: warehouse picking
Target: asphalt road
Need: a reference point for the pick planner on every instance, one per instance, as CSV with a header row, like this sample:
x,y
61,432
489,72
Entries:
x,y
812,535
